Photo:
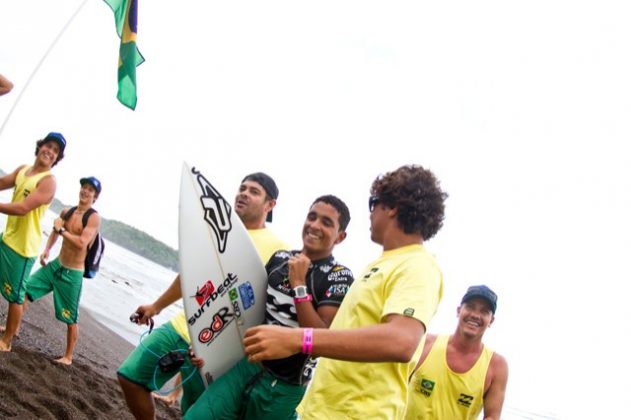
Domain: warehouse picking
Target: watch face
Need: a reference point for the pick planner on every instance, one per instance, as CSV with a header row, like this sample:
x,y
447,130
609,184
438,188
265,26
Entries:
x,y
300,291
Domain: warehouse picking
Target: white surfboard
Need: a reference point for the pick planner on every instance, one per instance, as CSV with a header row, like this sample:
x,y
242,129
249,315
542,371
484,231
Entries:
x,y
223,279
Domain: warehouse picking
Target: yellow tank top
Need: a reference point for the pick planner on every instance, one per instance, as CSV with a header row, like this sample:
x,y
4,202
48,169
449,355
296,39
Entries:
x,y
437,392
266,243
23,234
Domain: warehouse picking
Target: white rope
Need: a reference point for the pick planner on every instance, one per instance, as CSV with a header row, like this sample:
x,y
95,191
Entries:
x,y
28,82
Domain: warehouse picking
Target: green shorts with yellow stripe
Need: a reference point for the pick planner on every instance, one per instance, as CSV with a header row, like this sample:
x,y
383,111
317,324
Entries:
x,y
14,270
65,283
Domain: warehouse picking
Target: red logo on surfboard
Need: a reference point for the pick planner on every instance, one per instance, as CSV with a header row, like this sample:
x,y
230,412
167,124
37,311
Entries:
x,y
204,293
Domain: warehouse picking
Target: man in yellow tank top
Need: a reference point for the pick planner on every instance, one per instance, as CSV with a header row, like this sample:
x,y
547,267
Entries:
x,y
457,375
253,203
370,350
34,190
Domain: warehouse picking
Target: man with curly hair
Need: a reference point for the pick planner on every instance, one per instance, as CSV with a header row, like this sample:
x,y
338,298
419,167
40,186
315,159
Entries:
x,y
34,188
376,338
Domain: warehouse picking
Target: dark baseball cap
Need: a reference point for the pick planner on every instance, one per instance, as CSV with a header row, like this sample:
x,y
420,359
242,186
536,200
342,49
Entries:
x,y
58,137
268,185
482,292
92,181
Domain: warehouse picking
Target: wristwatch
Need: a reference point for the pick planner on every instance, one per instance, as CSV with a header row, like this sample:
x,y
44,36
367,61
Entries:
x,y
61,230
300,292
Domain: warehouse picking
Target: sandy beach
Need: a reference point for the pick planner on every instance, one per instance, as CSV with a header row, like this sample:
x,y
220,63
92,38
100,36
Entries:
x,y
34,387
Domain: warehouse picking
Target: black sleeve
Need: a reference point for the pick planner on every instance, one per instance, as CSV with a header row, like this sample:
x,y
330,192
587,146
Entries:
x,y
334,286
277,258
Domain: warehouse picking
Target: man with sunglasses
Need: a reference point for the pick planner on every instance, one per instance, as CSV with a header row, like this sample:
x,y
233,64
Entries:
x,y
375,340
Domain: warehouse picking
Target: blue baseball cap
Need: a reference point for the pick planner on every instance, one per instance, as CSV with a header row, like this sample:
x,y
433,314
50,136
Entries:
x,y
92,181
58,137
482,292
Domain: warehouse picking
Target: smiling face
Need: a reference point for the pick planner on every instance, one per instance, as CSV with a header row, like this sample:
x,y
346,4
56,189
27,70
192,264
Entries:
x,y
474,317
87,194
48,153
321,231
252,205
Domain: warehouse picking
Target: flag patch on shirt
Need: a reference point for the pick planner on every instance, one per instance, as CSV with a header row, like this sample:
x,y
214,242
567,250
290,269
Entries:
x,y
426,386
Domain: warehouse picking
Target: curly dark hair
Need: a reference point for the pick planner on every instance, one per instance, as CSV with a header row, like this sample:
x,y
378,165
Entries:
x,y
416,193
340,206
41,142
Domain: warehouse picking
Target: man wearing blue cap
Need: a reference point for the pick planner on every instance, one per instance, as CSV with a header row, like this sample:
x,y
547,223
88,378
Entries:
x,y
34,190
458,375
64,275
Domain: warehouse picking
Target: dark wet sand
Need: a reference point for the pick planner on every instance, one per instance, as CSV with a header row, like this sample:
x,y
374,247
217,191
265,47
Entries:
x,y
32,386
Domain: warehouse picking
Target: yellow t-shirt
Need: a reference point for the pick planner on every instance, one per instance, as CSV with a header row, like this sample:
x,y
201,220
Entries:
x,y
266,243
404,281
436,392
23,234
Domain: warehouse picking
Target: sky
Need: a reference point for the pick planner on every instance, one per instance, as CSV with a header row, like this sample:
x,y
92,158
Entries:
x,y
521,109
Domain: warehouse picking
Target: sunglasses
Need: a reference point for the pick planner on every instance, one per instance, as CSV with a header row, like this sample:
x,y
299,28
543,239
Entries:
x,y
372,202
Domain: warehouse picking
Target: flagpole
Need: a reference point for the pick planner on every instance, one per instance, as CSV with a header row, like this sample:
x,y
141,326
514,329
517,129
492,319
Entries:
x,y
28,82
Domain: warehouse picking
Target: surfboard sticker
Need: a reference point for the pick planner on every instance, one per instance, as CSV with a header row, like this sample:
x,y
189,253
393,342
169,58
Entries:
x,y
222,276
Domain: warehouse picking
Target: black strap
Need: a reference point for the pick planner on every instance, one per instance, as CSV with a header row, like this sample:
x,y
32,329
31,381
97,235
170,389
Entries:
x,y
86,215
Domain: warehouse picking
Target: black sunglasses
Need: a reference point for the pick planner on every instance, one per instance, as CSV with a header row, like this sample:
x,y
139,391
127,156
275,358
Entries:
x,y
372,202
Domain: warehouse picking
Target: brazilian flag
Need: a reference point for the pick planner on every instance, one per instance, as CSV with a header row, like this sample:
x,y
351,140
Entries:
x,y
126,17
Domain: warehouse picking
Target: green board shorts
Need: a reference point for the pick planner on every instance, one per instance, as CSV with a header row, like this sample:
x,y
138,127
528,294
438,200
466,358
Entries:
x,y
65,283
14,270
141,366
250,392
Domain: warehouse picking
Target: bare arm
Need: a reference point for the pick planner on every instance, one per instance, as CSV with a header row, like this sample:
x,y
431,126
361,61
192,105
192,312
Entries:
x,y
5,85
494,395
307,315
52,239
394,340
8,181
43,194
87,234
173,293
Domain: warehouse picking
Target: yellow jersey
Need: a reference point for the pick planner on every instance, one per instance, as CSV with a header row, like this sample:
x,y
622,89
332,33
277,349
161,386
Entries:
x,y
23,234
404,281
437,392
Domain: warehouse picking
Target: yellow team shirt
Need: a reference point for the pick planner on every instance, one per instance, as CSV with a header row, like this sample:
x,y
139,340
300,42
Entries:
x,y
266,243
404,281
436,392
23,234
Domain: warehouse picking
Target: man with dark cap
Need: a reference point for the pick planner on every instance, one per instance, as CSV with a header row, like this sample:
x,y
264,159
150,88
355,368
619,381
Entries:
x,y
34,190
270,187
253,204
458,375
64,275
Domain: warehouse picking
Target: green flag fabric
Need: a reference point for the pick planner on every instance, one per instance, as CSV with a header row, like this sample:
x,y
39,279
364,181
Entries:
x,y
126,18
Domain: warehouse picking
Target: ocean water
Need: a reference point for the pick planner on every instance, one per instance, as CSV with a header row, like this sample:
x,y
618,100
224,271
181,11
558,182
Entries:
x,y
127,280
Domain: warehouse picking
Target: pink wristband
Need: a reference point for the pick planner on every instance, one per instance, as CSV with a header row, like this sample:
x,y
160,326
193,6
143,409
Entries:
x,y
307,298
307,341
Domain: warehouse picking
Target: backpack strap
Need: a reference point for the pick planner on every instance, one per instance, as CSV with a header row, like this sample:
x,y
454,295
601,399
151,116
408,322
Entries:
x,y
68,213
87,215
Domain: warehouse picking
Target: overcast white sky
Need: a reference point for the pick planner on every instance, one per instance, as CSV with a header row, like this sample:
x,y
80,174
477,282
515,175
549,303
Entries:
x,y
520,108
